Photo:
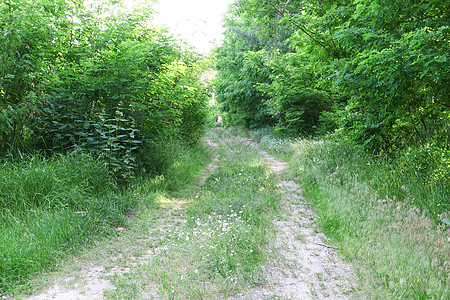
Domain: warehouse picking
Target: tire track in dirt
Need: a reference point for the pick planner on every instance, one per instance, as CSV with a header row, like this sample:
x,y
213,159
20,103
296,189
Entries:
x,y
91,279
302,264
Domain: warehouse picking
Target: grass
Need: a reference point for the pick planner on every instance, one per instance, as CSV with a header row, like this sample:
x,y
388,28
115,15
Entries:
x,y
385,214
53,208
214,247
47,208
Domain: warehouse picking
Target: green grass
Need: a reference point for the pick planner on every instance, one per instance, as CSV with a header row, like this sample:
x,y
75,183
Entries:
x,y
385,214
180,164
236,202
52,208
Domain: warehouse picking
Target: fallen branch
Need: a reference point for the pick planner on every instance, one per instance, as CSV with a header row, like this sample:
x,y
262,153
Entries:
x,y
326,246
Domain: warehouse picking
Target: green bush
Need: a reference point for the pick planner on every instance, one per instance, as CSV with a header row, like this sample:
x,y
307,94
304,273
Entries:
x,y
112,137
109,87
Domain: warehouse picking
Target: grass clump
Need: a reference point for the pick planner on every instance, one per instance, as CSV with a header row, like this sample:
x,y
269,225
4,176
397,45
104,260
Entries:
x,y
175,164
385,213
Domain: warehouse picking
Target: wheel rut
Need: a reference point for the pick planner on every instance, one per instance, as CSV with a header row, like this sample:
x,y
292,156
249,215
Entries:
x,y
302,264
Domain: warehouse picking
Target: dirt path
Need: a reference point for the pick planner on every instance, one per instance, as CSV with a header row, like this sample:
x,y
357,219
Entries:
x,y
302,263
90,278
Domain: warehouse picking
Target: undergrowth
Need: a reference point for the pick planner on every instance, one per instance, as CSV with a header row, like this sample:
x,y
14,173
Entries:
x,y
48,207
385,213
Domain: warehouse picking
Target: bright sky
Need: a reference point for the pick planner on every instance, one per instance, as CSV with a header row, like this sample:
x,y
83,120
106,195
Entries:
x,y
196,21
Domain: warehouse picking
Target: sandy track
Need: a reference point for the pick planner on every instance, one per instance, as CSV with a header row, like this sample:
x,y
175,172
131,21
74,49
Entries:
x,y
302,263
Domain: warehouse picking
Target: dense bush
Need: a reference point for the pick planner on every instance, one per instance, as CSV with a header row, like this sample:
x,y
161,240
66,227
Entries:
x,y
240,68
95,77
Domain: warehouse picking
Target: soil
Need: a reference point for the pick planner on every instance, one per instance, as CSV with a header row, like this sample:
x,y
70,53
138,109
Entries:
x,y
302,264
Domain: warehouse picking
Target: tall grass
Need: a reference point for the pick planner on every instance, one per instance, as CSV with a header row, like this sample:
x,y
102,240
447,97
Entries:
x,y
175,164
50,208
385,213
62,182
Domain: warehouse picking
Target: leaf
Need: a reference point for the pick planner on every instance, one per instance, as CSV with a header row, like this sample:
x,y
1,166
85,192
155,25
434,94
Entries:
x,y
80,133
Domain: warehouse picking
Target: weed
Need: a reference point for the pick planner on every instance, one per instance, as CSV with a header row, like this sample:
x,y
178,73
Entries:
x,y
301,237
219,249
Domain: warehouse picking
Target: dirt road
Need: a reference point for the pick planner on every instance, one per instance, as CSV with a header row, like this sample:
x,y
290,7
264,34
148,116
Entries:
x,y
301,264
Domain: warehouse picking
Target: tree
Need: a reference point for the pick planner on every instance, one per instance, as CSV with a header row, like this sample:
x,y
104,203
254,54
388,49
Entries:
x,y
90,76
241,68
376,70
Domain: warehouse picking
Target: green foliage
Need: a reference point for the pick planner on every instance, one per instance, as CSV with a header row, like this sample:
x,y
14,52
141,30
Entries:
x,y
114,139
375,70
241,67
388,215
95,77
296,99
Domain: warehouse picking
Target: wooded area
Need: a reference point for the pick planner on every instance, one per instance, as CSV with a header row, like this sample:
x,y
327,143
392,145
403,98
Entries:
x,y
375,72
102,116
